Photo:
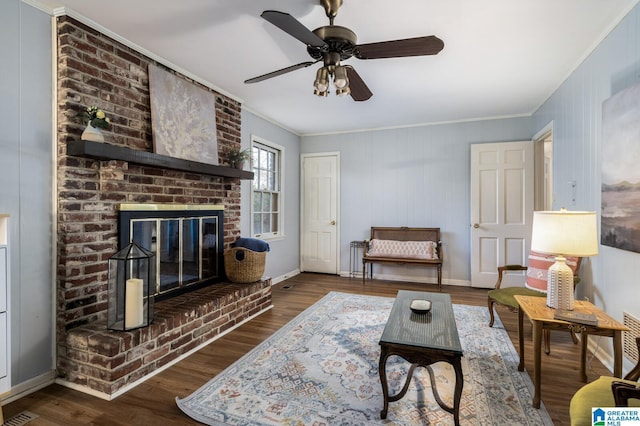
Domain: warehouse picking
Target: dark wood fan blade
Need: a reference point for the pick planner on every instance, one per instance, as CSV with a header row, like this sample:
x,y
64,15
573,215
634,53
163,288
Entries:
x,y
359,90
280,72
419,46
293,27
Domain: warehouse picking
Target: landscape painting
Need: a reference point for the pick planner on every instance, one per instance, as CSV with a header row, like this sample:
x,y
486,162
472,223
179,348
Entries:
x,y
183,118
620,225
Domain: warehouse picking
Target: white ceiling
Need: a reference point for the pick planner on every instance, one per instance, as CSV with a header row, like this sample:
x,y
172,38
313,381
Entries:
x,y
501,57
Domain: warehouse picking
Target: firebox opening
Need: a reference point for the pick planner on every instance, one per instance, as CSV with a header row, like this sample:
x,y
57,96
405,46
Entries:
x,y
188,241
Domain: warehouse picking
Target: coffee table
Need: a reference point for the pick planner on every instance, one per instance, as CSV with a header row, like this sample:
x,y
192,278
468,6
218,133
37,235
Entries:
x,y
422,339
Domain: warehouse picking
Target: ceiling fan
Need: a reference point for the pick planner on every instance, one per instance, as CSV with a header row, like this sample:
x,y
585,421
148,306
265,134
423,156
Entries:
x,y
332,44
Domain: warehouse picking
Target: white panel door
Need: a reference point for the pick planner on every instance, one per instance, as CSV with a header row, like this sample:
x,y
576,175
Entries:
x,y
320,214
501,209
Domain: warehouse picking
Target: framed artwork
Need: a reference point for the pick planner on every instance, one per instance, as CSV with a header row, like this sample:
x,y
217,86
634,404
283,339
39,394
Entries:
x,y
183,118
620,225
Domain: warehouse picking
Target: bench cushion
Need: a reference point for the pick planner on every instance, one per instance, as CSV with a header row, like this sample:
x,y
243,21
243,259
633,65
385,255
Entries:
x,y
538,267
426,250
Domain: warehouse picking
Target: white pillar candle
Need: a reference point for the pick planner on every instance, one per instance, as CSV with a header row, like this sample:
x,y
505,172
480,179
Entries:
x,y
133,309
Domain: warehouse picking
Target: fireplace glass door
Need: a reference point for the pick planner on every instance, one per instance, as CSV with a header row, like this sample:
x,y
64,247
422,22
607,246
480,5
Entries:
x,y
188,249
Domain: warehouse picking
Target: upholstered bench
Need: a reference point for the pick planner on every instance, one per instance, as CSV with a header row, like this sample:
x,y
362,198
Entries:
x,y
403,245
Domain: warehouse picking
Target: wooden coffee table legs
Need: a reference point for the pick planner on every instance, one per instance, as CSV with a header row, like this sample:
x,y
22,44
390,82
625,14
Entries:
x,y
421,360
385,387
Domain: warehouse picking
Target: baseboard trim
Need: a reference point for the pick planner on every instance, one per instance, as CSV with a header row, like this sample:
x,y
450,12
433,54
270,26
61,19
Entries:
x,y
285,276
408,278
29,386
595,346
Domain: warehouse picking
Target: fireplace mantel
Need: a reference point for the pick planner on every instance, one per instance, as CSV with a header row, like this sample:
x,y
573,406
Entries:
x,y
105,151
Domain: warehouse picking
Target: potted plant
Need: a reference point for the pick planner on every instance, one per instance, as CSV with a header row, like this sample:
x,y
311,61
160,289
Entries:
x,y
236,157
95,119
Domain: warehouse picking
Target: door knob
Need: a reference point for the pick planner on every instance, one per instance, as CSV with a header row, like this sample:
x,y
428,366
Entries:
x,y
333,222
476,225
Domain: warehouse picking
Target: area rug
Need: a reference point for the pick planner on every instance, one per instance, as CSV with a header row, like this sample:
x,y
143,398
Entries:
x,y
322,369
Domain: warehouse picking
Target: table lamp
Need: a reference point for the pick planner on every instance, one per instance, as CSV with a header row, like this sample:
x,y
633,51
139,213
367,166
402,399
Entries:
x,y
563,233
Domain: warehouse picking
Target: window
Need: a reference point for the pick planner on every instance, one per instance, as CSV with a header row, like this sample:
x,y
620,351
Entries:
x,y
266,159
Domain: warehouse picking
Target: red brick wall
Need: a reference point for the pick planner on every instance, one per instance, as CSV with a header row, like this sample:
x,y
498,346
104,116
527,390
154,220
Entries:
x,y
93,69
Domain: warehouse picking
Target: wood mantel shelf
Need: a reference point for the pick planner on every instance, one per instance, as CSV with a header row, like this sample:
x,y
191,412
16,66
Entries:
x,y
105,151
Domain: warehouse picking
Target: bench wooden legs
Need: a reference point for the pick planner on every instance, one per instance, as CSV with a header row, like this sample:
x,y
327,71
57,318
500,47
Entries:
x,y
364,273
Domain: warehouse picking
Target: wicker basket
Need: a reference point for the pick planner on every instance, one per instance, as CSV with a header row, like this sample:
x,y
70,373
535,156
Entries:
x,y
243,265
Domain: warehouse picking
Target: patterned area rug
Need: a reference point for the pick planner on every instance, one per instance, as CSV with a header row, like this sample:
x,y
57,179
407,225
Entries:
x,y
322,369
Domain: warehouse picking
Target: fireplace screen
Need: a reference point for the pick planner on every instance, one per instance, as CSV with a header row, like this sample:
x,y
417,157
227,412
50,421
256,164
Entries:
x,y
188,245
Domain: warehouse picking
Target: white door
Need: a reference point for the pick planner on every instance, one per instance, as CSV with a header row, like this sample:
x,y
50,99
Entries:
x,y
320,239
501,209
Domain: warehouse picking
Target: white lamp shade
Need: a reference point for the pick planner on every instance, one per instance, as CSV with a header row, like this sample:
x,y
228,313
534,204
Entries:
x,y
569,233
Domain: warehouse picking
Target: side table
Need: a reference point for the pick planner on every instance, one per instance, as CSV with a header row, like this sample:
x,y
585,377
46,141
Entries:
x,y
356,247
541,317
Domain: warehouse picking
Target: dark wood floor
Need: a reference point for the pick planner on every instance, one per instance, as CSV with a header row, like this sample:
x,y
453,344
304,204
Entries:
x,y
153,402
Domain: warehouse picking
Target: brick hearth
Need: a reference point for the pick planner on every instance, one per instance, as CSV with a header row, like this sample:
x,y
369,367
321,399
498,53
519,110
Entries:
x,y
110,362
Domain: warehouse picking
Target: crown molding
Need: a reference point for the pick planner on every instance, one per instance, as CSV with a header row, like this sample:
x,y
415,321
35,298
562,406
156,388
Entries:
x,y
63,11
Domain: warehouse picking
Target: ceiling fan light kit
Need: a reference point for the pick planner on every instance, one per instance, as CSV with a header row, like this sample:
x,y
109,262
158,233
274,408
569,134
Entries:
x,y
344,91
322,81
340,80
332,44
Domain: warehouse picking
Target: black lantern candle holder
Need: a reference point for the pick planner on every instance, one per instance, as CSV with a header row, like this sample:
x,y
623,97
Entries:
x,y
132,280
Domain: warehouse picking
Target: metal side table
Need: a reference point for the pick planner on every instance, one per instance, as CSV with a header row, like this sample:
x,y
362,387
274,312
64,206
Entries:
x,y
356,247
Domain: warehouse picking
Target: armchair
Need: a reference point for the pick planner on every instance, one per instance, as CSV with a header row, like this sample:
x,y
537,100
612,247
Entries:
x,y
535,285
606,392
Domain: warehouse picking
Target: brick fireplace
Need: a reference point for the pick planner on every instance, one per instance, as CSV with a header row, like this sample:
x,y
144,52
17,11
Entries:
x,y
94,69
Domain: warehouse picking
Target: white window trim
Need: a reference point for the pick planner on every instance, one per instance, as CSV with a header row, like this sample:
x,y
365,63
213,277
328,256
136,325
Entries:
x,y
281,150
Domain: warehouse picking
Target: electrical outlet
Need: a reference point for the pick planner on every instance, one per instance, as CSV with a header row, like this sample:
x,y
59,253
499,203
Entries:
x,y
574,192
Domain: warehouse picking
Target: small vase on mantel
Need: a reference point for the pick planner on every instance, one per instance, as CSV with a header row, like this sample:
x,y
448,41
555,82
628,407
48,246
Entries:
x,y
93,134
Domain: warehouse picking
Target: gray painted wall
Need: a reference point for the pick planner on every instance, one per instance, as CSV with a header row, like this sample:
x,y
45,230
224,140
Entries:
x,y
417,176
610,279
26,187
284,258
